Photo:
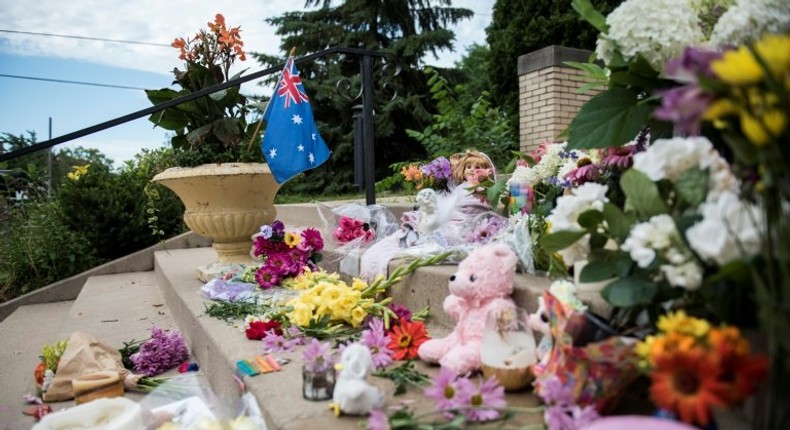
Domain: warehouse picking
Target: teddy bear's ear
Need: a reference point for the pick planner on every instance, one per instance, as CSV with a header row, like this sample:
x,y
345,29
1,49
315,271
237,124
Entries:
x,y
503,251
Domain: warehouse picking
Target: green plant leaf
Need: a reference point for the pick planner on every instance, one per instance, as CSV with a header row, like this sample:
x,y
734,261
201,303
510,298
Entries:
x,y
590,219
611,118
560,240
618,223
596,271
692,186
628,292
587,12
642,194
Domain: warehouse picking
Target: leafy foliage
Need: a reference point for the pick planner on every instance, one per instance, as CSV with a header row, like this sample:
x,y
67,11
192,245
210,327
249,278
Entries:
x,y
38,248
406,31
121,227
519,27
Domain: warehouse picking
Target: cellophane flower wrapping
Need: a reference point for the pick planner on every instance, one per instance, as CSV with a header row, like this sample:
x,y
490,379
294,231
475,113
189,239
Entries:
x,y
352,228
598,372
187,402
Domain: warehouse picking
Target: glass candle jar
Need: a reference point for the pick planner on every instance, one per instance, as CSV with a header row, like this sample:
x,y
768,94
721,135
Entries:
x,y
318,384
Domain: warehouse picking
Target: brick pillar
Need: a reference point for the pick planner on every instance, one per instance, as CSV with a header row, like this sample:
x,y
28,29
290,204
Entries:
x,y
547,93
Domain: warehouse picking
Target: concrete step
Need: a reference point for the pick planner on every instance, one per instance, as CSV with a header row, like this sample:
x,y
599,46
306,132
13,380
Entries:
x,y
113,308
217,346
23,334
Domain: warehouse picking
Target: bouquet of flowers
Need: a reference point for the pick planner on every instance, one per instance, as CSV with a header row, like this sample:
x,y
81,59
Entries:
x,y
695,366
285,253
436,174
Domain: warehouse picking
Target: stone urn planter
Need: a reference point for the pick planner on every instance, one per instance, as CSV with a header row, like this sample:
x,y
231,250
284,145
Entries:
x,y
227,202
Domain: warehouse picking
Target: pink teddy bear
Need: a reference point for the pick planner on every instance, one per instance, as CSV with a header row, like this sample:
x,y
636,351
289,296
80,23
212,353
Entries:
x,y
482,284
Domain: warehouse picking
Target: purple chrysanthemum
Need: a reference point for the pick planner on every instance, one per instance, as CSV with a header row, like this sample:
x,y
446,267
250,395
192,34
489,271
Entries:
x,y
487,229
273,342
486,400
445,389
553,391
317,356
378,420
165,350
376,339
559,417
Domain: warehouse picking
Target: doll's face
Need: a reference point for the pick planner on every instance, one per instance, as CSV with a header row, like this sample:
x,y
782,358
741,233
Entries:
x,y
471,169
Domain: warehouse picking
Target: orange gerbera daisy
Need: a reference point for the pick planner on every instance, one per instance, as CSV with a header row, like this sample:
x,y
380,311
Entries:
x,y
405,338
687,382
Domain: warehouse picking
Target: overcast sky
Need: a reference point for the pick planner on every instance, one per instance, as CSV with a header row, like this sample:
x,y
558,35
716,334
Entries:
x,y
27,105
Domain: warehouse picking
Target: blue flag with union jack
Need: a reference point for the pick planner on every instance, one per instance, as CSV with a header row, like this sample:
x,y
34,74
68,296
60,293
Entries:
x,y
291,143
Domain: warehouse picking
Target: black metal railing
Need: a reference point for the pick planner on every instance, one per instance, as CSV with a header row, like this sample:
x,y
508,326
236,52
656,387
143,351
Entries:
x,y
366,72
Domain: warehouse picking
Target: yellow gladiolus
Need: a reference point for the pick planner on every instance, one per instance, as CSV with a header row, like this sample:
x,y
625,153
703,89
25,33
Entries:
x,y
719,109
359,284
301,314
357,316
775,51
738,67
772,124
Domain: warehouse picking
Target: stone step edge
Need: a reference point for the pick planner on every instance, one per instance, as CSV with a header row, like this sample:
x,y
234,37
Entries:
x,y
216,346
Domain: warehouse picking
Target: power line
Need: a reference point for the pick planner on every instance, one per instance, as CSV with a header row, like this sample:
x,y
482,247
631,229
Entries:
x,y
63,81
99,39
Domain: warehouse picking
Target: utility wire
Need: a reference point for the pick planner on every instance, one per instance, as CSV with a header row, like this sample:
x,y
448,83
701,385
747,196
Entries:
x,y
132,42
63,81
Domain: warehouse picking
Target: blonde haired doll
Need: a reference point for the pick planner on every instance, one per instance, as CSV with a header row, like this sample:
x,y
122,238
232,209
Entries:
x,y
468,165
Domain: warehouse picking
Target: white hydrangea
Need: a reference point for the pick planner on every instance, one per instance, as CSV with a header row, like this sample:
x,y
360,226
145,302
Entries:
x,y
565,215
669,158
660,237
565,292
656,29
648,237
729,230
547,168
687,275
747,20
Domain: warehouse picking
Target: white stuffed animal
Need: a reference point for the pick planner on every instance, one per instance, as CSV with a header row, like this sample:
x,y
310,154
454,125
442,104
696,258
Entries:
x,y
353,395
428,202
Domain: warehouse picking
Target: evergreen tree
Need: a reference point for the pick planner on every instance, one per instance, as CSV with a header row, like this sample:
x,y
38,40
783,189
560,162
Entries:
x,y
406,30
519,27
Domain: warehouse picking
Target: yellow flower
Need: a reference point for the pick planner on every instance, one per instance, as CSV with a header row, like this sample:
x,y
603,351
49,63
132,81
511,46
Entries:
x,y
719,109
301,315
643,348
292,239
773,124
738,67
359,284
77,172
670,343
774,49
357,316
679,322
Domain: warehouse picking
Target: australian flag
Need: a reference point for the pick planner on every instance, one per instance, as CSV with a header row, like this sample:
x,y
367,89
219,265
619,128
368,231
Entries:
x,y
291,143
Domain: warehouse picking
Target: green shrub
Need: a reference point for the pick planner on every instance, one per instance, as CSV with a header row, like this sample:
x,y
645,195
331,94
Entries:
x,y
110,209
38,249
